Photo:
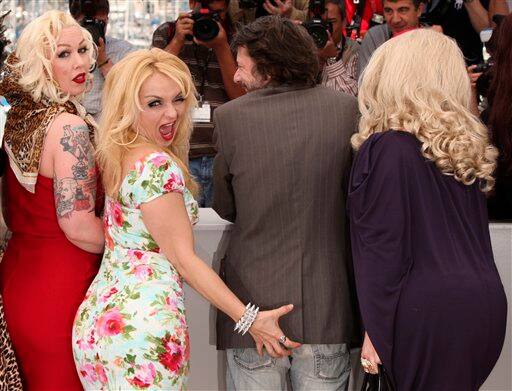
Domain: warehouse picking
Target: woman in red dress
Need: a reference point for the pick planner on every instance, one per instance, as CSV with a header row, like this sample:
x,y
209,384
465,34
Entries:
x,y
49,198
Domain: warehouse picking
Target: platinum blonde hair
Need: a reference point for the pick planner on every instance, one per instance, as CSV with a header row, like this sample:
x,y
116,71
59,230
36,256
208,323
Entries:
x,y
35,49
118,132
418,83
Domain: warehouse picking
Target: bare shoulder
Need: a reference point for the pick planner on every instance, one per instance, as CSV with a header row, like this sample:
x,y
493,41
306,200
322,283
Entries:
x,y
66,124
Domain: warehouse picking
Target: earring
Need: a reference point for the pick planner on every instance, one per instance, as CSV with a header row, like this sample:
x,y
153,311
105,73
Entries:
x,y
128,143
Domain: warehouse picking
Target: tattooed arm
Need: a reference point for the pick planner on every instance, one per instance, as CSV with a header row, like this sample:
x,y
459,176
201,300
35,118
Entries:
x,y
74,182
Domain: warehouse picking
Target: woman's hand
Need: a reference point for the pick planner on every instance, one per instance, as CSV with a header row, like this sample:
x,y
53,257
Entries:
x,y
266,333
369,357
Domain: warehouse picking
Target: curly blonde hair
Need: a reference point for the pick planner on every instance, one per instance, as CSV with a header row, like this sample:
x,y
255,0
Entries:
x,y
418,83
36,47
118,134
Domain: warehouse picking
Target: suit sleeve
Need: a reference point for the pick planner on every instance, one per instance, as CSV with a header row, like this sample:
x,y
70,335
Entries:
x,y
223,196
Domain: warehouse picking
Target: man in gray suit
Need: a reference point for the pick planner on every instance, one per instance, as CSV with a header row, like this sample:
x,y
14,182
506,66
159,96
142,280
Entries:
x,y
279,175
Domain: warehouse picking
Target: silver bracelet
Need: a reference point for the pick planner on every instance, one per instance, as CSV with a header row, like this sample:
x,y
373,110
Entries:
x,y
247,319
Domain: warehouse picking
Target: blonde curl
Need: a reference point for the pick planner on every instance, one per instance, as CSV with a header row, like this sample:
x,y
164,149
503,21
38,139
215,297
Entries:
x,y
418,83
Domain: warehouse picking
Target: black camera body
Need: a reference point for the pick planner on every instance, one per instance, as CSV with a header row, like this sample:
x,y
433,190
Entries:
x,y
316,26
245,4
97,28
205,20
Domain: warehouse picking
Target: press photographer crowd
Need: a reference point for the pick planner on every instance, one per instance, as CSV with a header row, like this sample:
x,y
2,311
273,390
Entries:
x,y
359,148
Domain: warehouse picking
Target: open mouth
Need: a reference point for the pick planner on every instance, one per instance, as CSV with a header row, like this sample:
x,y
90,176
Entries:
x,y
80,78
167,131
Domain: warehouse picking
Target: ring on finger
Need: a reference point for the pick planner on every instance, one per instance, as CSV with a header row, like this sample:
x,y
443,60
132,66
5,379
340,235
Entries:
x,y
282,339
366,364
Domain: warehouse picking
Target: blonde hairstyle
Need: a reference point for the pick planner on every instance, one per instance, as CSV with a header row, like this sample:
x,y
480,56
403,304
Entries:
x,y
118,132
418,83
36,47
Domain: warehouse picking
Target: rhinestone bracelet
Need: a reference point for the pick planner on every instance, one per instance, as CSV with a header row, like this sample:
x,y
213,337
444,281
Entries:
x,y
245,322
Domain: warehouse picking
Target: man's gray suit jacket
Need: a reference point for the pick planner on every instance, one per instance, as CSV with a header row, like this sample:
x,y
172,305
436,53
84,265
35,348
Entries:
x,y
280,174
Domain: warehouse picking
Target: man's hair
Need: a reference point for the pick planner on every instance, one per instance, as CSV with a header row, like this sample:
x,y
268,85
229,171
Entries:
x,y
100,6
416,3
281,50
341,6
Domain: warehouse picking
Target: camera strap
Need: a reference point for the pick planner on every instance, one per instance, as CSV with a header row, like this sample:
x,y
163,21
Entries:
x,y
202,64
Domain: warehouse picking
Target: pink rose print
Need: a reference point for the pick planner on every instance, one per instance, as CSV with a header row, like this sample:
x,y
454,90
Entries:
x,y
110,323
100,371
142,272
172,359
117,212
159,160
107,295
88,372
86,344
175,182
144,376
170,304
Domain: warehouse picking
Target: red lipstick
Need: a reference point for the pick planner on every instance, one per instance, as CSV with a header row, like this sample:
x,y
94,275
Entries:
x,y
80,78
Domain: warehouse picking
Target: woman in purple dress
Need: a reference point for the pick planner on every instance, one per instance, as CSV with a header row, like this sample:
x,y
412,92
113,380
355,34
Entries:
x,y
432,302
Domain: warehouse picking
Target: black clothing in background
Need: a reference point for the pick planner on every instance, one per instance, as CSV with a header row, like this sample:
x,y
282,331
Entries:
x,y
456,24
430,296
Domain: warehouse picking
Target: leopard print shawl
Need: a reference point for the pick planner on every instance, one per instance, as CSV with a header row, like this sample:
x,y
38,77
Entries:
x,y
27,124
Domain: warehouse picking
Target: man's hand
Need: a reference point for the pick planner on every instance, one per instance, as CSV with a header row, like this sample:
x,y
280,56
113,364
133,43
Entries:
x,y
328,51
184,25
473,77
283,8
221,40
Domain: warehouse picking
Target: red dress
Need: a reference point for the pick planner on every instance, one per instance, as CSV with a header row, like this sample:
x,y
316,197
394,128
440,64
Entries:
x,y
43,280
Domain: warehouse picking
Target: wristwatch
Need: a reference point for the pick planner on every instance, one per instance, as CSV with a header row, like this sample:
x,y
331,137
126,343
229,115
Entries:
x,y
331,60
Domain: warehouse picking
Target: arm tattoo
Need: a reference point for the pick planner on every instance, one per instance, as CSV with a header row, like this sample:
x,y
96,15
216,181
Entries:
x,y
78,192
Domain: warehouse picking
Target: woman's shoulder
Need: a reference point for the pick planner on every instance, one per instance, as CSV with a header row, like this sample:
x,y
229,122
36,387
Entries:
x,y
65,119
391,145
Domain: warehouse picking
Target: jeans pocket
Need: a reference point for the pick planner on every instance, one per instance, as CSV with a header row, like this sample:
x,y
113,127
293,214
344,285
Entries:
x,y
250,360
331,361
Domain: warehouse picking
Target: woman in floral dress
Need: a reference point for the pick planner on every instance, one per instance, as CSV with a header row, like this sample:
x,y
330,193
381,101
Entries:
x,y
131,331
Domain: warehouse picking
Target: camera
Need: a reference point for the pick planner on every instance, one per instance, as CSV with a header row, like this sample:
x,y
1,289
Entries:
x,y
245,4
96,27
205,27
316,26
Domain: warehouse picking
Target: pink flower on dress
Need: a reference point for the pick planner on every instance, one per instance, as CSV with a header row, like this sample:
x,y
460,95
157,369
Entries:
x,y
159,160
175,182
173,357
170,304
143,272
107,295
144,376
110,323
117,212
100,371
87,371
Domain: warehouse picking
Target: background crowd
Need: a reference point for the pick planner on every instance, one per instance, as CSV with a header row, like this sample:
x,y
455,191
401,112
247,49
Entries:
x,y
359,148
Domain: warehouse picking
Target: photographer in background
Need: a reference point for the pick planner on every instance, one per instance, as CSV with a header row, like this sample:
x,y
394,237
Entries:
x,y
246,11
201,39
400,16
93,16
338,58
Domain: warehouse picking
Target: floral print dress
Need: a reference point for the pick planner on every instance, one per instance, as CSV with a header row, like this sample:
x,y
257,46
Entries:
x,y
130,332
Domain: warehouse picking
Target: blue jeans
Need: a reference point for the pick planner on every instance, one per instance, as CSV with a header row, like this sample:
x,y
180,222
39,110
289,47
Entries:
x,y
310,367
202,170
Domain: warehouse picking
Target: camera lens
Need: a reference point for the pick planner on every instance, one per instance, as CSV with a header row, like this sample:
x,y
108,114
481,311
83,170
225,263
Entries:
x,y
319,34
205,29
